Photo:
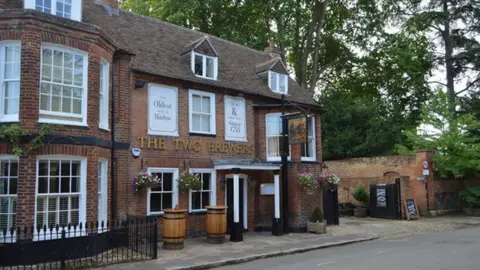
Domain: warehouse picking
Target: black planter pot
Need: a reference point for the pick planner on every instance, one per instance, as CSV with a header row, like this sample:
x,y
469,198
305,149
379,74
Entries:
x,y
360,211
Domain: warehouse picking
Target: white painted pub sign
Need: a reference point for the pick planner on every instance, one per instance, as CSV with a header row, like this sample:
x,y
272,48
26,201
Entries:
x,y
235,119
162,110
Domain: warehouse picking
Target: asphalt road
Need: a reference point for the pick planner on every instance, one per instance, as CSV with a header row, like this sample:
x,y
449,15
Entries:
x,y
458,249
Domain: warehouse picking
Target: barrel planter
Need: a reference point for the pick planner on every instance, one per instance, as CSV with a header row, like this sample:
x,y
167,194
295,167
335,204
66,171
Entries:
x,y
216,224
173,228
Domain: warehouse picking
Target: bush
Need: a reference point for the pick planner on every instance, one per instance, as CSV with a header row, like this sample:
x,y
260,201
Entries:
x,y
471,197
316,215
360,194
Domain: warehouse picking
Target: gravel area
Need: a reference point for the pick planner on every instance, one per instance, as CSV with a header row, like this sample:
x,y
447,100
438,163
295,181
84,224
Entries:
x,y
391,229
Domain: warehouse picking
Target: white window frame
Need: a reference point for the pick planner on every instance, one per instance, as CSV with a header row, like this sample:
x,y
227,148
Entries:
x,y
9,237
213,189
273,158
60,117
76,12
204,65
174,171
278,77
10,117
104,91
82,203
212,112
313,137
103,191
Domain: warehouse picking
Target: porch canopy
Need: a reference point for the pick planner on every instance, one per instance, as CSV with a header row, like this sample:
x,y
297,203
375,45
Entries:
x,y
244,164
250,164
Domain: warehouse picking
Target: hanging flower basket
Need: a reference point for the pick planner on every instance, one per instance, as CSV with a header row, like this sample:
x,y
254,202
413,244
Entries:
x,y
308,182
333,180
189,181
144,180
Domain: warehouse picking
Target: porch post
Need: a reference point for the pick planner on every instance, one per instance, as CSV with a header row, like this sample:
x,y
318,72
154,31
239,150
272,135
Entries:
x,y
236,232
277,225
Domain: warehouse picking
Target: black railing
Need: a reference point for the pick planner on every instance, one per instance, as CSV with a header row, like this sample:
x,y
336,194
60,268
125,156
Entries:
x,y
85,245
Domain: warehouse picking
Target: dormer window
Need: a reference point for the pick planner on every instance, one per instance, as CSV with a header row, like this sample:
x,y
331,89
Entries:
x,y
69,9
204,66
278,82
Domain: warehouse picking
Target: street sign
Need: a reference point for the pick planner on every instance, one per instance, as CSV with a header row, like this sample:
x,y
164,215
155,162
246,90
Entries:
x,y
425,164
421,178
426,172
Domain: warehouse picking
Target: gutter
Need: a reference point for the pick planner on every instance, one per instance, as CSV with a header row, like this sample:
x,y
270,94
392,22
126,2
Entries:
x,y
113,189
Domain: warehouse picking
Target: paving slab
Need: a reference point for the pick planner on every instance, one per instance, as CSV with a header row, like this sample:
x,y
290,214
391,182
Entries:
x,y
198,254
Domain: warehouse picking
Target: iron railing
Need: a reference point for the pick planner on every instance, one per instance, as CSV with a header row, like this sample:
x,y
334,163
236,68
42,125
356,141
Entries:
x,y
83,245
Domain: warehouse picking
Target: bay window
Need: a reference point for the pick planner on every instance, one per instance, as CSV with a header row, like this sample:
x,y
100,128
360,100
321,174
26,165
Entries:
x,y
69,9
63,86
206,196
104,95
165,195
10,55
61,191
102,191
202,112
8,192
308,150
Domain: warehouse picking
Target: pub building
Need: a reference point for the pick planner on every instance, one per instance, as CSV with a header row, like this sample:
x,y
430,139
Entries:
x,y
126,94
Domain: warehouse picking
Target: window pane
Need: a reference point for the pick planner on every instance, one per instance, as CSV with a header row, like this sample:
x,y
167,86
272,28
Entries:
x,y
210,67
168,181
273,81
205,199
198,65
196,122
12,97
282,81
155,202
206,104
54,185
196,103
196,201
75,168
75,184
205,123
65,185
3,186
13,186
42,185
54,168
167,200
274,146
206,181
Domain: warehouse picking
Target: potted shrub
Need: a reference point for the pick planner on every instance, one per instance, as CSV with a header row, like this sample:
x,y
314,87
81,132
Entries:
x,y
361,195
316,223
471,201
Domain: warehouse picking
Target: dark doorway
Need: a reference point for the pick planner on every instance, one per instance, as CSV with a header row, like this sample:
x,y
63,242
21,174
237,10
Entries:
x,y
230,202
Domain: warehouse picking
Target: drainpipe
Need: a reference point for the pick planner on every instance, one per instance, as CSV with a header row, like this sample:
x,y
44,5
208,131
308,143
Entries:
x,y
113,189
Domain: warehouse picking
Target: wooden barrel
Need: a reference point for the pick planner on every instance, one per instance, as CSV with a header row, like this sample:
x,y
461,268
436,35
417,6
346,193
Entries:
x,y
173,228
216,224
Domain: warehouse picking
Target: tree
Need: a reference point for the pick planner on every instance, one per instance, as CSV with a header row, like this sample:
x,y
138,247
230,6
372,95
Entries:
x,y
456,24
319,37
457,150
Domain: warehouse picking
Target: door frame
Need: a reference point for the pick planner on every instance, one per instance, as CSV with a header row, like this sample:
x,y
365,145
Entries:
x,y
245,196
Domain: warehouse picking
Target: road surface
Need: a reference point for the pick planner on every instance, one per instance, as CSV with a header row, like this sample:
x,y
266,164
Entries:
x,y
459,249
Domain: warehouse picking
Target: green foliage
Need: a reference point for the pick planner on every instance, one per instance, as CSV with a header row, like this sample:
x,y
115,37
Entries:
x,y
448,133
188,181
360,194
14,134
471,197
317,215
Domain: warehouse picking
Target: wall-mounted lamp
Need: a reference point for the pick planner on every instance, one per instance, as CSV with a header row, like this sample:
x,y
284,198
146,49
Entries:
x,y
139,84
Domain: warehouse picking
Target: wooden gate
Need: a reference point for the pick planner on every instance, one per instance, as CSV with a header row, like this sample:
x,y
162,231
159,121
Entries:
x,y
385,200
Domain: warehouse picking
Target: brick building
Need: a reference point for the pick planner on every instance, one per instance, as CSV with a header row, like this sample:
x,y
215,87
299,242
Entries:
x,y
112,83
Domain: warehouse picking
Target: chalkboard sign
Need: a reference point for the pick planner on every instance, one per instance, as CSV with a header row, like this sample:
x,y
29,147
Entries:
x,y
411,209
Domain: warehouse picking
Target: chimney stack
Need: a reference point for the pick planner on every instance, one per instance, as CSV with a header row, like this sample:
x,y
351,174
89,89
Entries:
x,y
273,50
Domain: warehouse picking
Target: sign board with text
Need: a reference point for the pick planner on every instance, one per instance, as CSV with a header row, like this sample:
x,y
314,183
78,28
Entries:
x,y
297,130
162,110
235,119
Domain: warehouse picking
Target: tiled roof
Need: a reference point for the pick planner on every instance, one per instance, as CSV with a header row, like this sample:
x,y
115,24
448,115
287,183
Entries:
x,y
158,48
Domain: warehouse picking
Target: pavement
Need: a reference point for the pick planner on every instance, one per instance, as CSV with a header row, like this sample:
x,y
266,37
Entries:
x,y
457,249
198,254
